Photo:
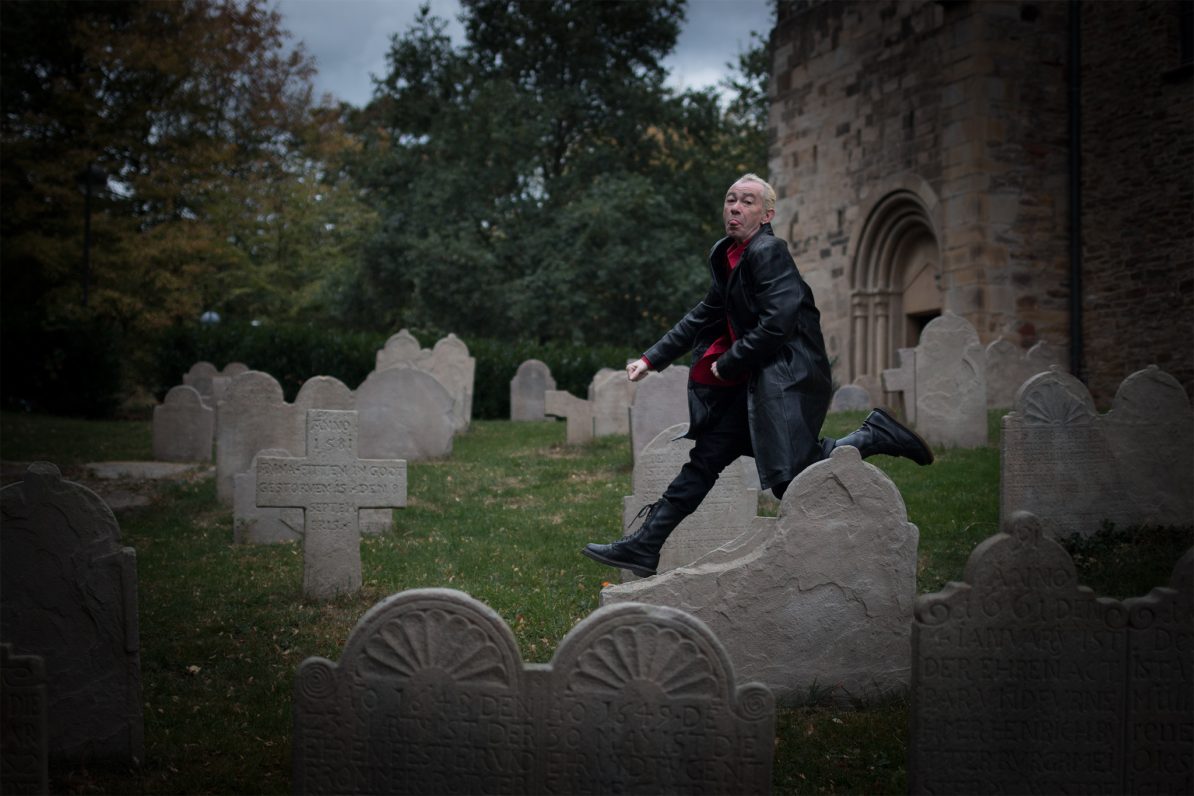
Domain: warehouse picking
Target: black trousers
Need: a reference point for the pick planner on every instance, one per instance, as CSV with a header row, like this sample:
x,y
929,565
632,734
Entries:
x,y
726,439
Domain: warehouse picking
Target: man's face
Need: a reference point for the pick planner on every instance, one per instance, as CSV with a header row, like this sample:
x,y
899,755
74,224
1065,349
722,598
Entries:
x,y
743,211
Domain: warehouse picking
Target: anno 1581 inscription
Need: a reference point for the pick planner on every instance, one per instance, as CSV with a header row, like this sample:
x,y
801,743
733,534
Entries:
x,y
1025,682
331,485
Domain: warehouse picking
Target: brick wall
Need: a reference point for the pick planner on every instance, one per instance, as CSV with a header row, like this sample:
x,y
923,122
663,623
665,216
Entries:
x,y
1137,194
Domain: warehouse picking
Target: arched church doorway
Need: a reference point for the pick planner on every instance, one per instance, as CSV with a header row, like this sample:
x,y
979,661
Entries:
x,y
895,282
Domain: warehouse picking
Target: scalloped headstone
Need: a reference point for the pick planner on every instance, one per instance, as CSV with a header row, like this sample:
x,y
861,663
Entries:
x,y
431,696
68,594
183,427
1023,681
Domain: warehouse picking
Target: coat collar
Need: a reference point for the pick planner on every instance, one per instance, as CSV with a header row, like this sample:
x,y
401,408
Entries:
x,y
719,249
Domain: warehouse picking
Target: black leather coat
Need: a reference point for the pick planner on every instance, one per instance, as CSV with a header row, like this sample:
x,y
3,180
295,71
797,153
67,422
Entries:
x,y
778,343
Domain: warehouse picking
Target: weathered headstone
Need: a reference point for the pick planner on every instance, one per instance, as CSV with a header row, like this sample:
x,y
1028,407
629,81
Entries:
x,y
1008,366
253,524
851,398
24,723
406,413
725,513
431,696
660,401
577,411
1075,469
200,376
611,394
456,370
400,349
252,417
532,380
1026,682
821,594
902,381
331,485
948,372
183,427
68,594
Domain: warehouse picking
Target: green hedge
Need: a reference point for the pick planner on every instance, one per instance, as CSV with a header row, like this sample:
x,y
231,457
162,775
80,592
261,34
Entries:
x,y
294,353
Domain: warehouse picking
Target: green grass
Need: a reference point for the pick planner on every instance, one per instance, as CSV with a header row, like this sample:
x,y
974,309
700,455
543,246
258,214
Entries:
x,y
224,627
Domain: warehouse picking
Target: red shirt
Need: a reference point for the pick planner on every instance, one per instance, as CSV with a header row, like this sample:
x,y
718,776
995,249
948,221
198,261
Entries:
x,y
702,371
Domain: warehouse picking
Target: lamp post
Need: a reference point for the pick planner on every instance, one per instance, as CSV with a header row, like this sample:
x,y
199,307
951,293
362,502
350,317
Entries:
x,y
90,179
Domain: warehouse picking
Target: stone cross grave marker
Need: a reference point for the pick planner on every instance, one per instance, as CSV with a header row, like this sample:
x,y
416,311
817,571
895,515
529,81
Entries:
x,y
1023,681
331,485
431,696
24,723
577,411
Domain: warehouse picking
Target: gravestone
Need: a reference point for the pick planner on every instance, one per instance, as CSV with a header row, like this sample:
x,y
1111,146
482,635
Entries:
x,y
901,380
611,394
725,513
400,349
660,401
820,595
578,413
1075,469
24,723
252,417
449,362
200,376
253,524
1026,682
851,398
527,389
331,485
68,594
405,414
183,427
948,375
1008,366
431,696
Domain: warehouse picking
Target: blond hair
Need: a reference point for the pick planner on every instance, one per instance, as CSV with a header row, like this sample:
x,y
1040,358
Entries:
x,y
768,191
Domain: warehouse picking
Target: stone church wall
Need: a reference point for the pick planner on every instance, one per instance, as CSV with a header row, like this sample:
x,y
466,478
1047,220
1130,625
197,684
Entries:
x,y
927,137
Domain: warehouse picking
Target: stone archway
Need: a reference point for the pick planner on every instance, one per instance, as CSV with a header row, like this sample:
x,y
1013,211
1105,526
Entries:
x,y
895,276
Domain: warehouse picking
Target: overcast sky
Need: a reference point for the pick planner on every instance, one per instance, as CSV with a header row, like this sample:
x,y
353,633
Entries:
x,y
350,38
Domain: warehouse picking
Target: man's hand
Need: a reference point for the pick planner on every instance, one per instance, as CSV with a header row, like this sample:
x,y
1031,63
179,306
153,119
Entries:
x,y
637,370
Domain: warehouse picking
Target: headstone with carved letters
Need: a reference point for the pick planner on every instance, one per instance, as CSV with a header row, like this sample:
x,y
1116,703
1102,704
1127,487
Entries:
x,y
431,696
24,723
331,484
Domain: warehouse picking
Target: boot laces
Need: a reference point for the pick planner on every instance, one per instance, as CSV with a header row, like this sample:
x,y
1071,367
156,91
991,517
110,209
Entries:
x,y
644,514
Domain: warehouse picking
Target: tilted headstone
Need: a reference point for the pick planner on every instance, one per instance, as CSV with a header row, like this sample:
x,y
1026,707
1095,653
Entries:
x,y
577,411
431,696
331,485
611,394
24,723
532,380
183,427
253,524
252,417
660,401
1076,470
405,414
851,398
725,513
1008,366
821,594
1026,682
68,594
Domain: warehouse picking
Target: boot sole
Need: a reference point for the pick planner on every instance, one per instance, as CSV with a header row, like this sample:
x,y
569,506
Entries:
x,y
642,572
924,446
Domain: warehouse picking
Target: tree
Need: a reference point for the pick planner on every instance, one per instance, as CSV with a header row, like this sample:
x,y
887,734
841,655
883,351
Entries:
x,y
541,181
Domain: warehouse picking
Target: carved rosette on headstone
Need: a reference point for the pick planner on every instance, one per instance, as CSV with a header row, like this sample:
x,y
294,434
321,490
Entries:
x,y
431,696
1025,682
24,723
821,594
68,594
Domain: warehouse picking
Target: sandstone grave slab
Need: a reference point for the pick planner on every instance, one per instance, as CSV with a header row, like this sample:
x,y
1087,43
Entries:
x,y
530,383
68,594
660,401
183,427
331,485
253,524
24,723
405,413
431,696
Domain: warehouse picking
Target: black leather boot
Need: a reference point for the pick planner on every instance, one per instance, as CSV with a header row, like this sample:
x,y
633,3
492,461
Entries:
x,y
882,433
639,552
